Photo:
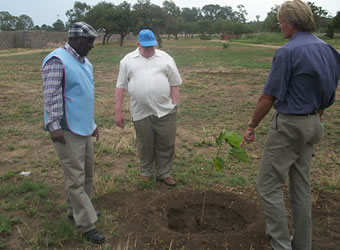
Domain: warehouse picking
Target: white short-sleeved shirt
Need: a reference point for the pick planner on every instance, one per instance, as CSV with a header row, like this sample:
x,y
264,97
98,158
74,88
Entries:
x,y
148,82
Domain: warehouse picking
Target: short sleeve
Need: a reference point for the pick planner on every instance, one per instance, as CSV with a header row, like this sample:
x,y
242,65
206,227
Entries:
x,y
278,79
122,80
174,76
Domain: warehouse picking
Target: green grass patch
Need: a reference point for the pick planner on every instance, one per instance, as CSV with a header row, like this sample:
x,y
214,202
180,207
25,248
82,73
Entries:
x,y
26,195
58,232
277,39
263,38
236,56
9,174
26,186
238,181
5,225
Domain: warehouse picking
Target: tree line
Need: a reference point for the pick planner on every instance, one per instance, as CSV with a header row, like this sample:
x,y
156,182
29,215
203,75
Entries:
x,y
170,20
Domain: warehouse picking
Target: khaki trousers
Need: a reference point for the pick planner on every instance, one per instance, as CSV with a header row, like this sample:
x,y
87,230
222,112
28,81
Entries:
x,y
77,160
156,138
288,152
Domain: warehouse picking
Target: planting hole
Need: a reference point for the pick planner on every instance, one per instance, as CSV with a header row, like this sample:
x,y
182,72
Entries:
x,y
217,219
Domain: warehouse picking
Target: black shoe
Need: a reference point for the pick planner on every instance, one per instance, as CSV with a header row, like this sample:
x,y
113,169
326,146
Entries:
x,y
94,236
70,216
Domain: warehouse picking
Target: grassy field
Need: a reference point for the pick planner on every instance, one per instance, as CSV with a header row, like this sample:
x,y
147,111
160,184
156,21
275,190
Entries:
x,y
277,39
219,91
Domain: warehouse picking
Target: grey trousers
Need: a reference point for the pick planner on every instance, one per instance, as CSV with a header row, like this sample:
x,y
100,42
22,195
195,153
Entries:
x,y
77,159
156,138
287,153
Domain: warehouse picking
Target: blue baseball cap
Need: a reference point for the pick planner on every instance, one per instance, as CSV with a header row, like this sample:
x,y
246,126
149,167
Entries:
x,y
146,38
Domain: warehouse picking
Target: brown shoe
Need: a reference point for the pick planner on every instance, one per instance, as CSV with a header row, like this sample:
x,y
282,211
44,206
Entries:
x,y
169,181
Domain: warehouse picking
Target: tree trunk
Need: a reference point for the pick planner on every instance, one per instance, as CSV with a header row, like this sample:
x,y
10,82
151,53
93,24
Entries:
x,y
108,37
159,40
104,38
122,36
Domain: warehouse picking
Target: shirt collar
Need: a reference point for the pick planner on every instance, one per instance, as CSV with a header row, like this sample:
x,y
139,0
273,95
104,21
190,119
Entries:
x,y
136,53
300,33
74,53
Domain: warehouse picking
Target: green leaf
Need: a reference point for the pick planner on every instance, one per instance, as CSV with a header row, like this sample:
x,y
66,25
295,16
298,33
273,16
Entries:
x,y
219,139
240,154
218,163
233,139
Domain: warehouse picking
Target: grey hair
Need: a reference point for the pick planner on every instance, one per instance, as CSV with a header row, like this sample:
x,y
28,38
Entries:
x,y
298,14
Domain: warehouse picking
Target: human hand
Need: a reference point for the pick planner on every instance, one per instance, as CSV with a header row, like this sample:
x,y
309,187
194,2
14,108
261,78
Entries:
x,y
249,135
96,134
58,136
119,119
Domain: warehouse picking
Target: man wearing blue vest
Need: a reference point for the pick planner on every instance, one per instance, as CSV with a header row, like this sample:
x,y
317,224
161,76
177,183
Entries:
x,y
68,92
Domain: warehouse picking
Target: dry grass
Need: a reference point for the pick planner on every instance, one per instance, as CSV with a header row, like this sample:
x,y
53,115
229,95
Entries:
x,y
219,92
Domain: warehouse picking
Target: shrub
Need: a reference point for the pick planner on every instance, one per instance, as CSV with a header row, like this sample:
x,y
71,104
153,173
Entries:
x,y
225,45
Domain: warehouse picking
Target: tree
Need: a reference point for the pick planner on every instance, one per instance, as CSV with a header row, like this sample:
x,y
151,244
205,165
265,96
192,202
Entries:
x,y
270,23
58,25
36,27
226,13
241,28
190,28
150,16
123,19
174,22
102,18
24,22
334,25
77,13
223,27
240,15
205,27
191,15
211,11
46,27
7,21
321,17
171,9
178,27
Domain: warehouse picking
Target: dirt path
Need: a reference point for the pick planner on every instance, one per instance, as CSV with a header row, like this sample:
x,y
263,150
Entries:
x,y
25,52
260,45
268,46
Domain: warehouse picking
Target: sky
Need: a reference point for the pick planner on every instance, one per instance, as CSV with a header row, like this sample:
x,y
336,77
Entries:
x,y
48,11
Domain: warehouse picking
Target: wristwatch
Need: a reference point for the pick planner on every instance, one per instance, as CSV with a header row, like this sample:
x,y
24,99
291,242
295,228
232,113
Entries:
x,y
251,125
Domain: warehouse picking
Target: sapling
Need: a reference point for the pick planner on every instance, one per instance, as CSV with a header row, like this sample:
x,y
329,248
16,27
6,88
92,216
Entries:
x,y
235,150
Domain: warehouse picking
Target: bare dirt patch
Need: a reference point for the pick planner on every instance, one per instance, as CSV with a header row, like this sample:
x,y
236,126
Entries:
x,y
171,217
168,218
